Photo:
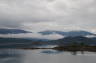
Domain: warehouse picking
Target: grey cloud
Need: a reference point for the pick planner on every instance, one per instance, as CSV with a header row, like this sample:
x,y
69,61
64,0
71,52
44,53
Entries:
x,y
39,15
33,35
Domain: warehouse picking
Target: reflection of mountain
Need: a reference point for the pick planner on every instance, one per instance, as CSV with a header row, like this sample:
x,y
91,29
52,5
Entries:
x,y
12,31
70,33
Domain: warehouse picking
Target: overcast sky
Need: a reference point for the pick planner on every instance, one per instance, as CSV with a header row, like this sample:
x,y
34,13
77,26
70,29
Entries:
x,y
40,15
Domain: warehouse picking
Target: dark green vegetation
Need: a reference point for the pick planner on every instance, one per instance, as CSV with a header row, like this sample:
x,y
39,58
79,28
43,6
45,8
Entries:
x,y
76,48
77,44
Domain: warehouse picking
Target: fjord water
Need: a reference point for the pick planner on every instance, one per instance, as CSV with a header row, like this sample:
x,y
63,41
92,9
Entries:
x,y
45,56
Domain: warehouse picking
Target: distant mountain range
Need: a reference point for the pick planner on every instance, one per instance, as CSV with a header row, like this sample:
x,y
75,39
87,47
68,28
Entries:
x,y
12,31
70,37
70,33
14,42
48,32
27,43
19,43
77,39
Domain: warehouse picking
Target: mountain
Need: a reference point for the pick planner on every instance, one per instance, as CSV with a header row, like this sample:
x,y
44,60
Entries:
x,y
12,31
70,33
37,39
93,38
78,39
13,42
19,43
30,43
68,40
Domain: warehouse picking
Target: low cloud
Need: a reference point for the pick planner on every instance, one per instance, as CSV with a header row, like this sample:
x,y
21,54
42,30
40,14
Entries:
x,y
33,35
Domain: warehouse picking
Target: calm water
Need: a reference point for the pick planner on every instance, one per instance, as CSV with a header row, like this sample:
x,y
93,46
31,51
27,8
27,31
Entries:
x,y
45,56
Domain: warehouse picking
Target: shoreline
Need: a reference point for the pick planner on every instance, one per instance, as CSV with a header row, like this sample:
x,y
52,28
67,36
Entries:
x,y
64,48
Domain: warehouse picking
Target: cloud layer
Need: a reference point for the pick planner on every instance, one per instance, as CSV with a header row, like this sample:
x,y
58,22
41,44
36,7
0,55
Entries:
x,y
33,35
40,15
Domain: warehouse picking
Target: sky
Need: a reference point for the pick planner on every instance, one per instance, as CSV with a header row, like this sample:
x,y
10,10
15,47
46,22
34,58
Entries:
x,y
40,15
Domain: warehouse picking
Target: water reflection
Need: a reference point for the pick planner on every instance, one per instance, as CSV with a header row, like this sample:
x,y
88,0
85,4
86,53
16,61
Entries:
x,y
52,51
46,56
76,52
10,56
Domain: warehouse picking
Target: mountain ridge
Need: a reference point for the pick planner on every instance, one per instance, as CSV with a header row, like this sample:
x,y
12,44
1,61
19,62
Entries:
x,y
13,31
27,43
69,33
